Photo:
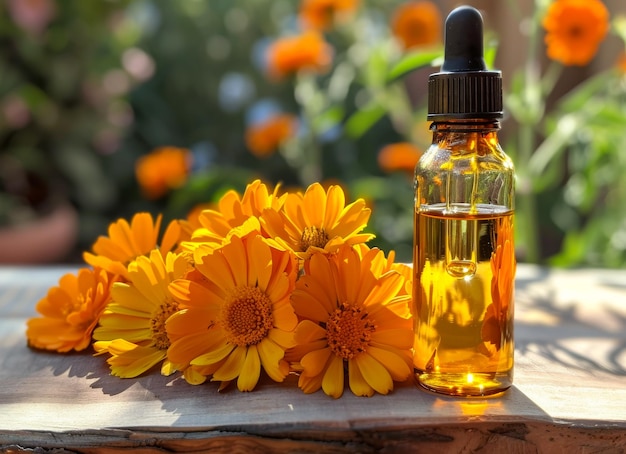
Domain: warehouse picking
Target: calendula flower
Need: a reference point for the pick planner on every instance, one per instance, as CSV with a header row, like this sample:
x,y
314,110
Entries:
x,y
380,266
574,30
162,170
263,138
417,24
354,318
70,311
401,156
232,211
307,51
236,317
499,313
320,14
127,241
317,221
132,327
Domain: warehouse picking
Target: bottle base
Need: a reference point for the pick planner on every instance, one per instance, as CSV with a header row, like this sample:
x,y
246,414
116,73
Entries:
x,y
465,384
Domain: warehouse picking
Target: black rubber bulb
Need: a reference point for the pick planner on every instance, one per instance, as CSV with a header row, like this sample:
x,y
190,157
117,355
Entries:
x,y
464,41
464,88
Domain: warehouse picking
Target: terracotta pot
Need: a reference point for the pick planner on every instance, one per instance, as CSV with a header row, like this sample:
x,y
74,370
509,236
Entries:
x,y
46,240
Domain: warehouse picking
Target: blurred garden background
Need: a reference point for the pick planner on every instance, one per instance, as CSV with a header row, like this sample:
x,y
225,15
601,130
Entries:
x,y
111,107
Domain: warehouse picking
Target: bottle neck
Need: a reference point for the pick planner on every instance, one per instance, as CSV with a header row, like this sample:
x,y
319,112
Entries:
x,y
462,137
466,125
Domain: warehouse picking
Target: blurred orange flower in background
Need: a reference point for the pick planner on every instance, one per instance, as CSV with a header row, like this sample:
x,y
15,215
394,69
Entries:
x,y
401,156
162,170
320,14
70,311
417,23
574,30
307,51
264,138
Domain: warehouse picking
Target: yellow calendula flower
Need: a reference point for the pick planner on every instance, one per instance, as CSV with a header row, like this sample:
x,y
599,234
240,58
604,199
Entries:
x,y
351,316
132,328
317,221
70,311
127,241
232,211
235,317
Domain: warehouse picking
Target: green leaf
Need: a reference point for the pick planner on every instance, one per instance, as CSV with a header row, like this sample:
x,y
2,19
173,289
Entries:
x,y
328,119
579,97
362,120
413,61
491,49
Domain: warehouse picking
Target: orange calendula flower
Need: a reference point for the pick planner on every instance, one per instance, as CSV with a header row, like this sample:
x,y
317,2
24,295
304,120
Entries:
x,y
381,266
233,211
265,137
132,328
162,170
320,14
499,313
70,311
401,156
351,316
236,318
127,241
574,30
417,24
317,221
292,54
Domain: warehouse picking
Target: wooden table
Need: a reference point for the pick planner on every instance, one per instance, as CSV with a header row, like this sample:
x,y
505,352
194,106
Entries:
x,y
569,393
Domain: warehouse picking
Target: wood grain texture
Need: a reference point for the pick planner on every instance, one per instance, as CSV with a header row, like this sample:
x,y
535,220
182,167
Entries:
x,y
569,393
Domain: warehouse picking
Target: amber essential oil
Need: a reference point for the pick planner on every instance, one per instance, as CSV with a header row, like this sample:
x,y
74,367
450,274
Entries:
x,y
464,299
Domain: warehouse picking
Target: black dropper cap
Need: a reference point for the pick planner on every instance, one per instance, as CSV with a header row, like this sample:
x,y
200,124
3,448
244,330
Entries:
x,y
464,88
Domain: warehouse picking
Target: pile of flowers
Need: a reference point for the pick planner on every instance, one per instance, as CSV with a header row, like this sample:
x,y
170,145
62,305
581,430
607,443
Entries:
x,y
265,281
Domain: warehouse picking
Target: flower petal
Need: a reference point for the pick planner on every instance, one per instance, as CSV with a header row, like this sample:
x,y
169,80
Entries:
x,y
251,371
272,360
374,373
397,366
333,381
315,362
233,365
358,385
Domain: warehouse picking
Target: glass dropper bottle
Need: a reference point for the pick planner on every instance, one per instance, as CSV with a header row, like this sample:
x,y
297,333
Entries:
x,y
464,261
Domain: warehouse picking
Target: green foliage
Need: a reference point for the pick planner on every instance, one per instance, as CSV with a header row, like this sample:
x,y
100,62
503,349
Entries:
x,y
85,114
56,111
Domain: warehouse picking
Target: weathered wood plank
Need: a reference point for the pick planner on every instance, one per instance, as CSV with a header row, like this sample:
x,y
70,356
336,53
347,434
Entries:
x,y
569,392
471,437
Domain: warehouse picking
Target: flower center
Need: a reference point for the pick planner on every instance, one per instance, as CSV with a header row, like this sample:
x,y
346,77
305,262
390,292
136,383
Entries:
x,y
349,331
313,236
576,31
247,316
157,325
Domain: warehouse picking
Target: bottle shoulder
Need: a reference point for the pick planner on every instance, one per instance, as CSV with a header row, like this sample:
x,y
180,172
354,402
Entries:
x,y
490,157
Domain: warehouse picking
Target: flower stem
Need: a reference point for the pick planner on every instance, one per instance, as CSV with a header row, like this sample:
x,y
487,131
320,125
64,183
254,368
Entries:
x,y
526,206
